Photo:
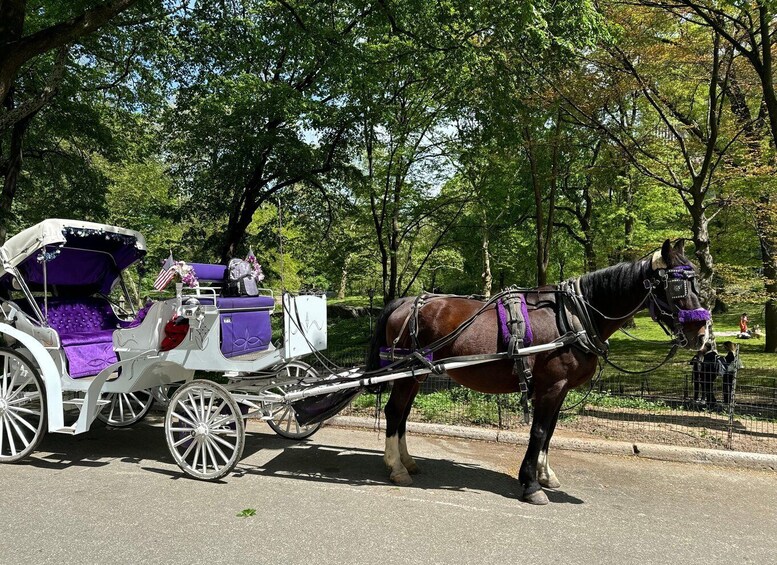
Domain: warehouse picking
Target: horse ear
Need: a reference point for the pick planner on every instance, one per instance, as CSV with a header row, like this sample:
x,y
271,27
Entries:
x,y
679,246
666,252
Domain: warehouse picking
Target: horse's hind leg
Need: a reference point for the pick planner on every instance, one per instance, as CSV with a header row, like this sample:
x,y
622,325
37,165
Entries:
x,y
545,475
545,410
397,410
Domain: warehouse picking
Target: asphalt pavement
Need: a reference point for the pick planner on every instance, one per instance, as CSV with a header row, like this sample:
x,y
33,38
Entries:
x,y
115,496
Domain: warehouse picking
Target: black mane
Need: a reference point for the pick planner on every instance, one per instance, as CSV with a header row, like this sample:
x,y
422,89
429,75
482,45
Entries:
x,y
614,280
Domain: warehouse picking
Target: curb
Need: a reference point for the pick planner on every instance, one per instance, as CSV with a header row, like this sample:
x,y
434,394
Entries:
x,y
744,460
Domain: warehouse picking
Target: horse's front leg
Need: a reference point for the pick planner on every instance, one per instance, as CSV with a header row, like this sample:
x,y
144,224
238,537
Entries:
x,y
396,456
545,409
545,475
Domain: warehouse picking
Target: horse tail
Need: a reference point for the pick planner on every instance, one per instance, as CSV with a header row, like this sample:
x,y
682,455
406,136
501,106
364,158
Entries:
x,y
378,339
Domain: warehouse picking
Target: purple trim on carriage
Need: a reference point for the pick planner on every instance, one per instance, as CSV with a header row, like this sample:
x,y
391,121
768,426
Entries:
x,y
501,311
91,262
398,353
247,329
697,315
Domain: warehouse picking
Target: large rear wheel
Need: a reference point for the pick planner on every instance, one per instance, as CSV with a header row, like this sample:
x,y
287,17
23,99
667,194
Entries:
x,y
22,407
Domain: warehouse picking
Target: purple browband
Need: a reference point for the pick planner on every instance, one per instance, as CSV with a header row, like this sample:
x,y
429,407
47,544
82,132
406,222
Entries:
x,y
697,315
528,337
679,268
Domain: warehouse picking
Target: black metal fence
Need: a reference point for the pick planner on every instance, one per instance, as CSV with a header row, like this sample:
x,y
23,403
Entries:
x,y
655,408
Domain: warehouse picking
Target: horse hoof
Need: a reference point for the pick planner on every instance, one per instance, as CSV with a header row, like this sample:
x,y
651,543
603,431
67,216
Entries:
x,y
401,479
549,482
538,498
412,468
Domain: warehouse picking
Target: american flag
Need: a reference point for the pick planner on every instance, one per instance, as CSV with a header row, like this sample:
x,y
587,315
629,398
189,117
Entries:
x,y
166,274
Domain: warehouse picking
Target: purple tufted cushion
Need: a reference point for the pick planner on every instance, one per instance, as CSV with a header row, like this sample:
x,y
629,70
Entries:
x,y
85,327
80,315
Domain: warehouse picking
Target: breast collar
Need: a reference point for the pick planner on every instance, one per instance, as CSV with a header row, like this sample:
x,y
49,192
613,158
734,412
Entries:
x,y
573,315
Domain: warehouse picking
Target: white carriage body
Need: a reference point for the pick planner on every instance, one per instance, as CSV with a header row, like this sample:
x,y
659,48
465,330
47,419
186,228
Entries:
x,y
28,266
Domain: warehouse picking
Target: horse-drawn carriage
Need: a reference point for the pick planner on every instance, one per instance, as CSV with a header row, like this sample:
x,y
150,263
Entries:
x,y
64,346
67,347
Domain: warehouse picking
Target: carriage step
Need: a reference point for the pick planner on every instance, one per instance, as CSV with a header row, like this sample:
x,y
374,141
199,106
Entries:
x,y
70,430
80,402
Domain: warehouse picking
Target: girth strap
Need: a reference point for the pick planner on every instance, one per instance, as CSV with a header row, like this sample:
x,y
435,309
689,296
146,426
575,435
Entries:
x,y
512,314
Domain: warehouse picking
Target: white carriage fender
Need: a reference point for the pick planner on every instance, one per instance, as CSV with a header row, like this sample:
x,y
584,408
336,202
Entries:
x,y
48,372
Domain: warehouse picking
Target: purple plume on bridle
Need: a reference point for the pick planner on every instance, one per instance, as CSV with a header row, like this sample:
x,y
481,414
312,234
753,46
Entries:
x,y
697,315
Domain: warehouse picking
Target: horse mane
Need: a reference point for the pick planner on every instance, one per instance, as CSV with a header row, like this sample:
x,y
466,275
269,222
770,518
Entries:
x,y
613,281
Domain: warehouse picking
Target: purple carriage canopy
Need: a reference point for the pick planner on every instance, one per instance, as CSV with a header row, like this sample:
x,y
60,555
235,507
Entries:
x,y
83,257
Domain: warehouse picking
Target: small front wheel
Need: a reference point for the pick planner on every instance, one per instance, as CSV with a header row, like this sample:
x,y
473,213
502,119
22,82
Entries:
x,y
292,377
22,407
125,408
204,430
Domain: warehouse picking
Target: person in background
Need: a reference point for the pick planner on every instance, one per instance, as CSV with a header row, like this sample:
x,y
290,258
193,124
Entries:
x,y
731,364
711,368
696,377
744,333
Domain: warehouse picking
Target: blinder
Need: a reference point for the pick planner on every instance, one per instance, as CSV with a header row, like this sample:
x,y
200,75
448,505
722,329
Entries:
x,y
677,282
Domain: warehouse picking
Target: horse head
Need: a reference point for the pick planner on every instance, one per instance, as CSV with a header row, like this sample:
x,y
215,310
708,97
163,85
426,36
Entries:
x,y
676,305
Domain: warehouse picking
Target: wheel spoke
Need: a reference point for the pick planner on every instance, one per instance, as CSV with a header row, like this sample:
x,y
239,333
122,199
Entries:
x,y
188,412
21,410
9,434
4,390
184,419
211,455
21,420
18,389
213,443
188,450
183,440
223,442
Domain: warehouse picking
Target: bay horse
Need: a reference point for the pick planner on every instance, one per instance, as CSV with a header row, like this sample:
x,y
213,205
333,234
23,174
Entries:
x,y
606,298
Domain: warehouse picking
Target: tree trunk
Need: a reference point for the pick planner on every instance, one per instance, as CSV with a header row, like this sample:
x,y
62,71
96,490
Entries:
x,y
11,167
701,241
344,277
487,276
767,232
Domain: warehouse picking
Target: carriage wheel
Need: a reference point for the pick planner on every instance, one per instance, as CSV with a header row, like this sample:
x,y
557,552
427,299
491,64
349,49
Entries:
x,y
163,393
284,421
22,407
204,430
125,408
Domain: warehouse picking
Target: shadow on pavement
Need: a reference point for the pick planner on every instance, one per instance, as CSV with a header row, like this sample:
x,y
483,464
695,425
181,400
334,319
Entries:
x,y
306,460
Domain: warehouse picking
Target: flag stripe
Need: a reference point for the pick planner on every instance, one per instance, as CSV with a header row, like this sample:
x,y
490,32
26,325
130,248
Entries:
x,y
166,274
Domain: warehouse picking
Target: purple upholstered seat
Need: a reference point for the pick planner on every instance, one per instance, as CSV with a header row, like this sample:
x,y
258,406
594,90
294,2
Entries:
x,y
85,327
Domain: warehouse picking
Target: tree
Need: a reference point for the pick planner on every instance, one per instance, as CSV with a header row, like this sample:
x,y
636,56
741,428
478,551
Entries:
x,y
749,29
41,56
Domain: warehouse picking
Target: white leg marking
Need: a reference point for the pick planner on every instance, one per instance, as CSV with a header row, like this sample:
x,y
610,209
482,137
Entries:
x,y
545,475
391,458
405,457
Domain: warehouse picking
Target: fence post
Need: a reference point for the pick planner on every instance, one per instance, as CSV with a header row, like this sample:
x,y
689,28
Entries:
x,y
732,402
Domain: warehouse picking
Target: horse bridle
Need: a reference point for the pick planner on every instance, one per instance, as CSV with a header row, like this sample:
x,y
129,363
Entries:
x,y
677,283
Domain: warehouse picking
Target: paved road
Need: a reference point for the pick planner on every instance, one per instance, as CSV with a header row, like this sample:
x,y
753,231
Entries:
x,y
115,496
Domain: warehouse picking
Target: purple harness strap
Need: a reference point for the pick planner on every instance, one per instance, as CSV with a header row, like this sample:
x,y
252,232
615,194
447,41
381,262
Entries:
x,y
501,310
